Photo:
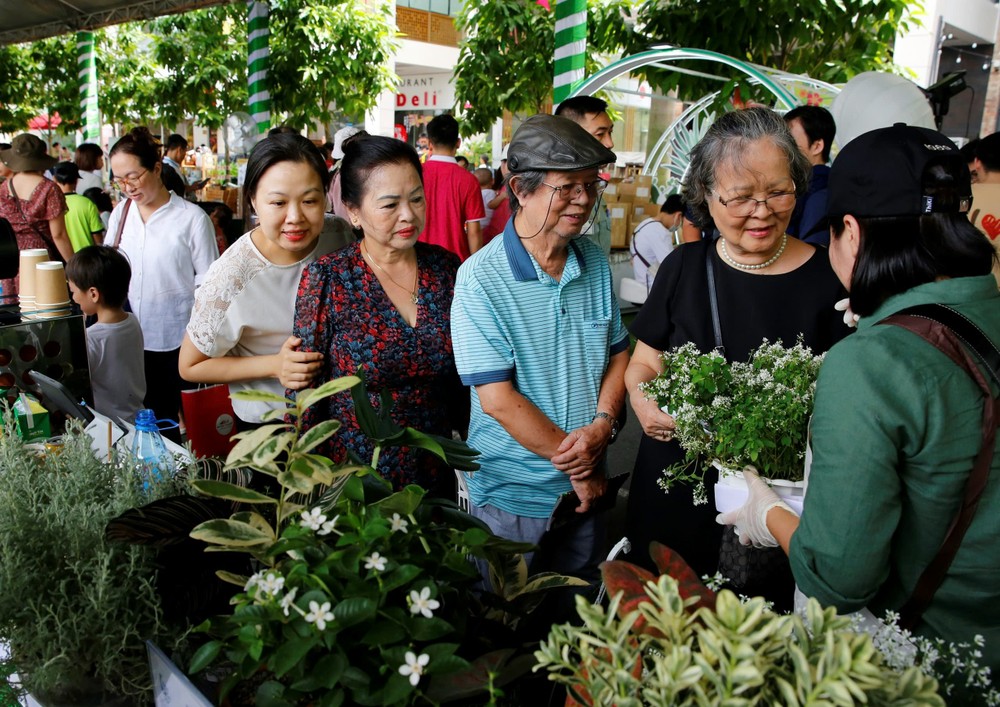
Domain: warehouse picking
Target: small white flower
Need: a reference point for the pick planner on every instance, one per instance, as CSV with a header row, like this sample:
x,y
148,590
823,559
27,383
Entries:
x,y
328,526
399,523
271,583
288,600
375,562
313,519
319,614
252,582
422,603
414,666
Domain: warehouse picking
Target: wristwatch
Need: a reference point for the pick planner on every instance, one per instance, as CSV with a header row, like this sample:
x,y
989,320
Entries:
x,y
611,421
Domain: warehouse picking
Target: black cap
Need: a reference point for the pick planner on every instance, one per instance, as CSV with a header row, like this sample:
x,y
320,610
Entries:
x,y
546,143
881,173
66,172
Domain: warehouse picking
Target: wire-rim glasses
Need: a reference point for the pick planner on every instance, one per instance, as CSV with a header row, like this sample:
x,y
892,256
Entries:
x,y
573,190
743,206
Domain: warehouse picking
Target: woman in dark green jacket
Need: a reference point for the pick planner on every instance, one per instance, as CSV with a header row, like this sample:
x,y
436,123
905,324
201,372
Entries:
x,y
898,425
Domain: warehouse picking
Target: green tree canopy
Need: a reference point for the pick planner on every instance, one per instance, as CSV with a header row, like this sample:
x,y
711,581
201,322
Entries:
x,y
194,65
506,56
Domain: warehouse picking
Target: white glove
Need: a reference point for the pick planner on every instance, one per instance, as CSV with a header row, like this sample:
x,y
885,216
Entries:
x,y
850,318
750,519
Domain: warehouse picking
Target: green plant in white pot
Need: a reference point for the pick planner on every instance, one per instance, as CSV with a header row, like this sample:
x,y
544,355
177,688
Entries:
x,y
74,608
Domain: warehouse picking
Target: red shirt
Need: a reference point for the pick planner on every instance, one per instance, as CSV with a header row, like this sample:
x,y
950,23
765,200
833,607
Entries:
x,y
453,198
498,222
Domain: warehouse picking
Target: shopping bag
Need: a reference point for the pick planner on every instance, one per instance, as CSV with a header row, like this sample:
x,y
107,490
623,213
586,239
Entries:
x,y
210,420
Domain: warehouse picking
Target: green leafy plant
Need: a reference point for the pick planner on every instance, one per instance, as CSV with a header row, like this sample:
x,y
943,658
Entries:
x,y
666,641
74,608
739,413
361,595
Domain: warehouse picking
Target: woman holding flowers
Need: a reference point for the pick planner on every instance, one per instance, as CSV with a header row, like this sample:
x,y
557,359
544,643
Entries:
x,y
903,438
744,175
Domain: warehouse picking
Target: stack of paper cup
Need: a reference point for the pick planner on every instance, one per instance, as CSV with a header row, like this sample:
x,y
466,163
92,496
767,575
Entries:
x,y
26,291
51,290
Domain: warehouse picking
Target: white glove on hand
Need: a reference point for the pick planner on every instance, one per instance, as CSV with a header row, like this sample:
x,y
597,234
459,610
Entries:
x,y
750,519
850,318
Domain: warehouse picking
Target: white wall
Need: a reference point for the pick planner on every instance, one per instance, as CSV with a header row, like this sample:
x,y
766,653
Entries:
x,y
917,51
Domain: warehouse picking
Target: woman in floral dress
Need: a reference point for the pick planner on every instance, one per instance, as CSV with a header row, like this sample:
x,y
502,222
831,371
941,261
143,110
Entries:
x,y
34,205
383,305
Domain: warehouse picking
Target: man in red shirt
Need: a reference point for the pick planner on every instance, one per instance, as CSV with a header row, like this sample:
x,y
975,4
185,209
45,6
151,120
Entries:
x,y
454,202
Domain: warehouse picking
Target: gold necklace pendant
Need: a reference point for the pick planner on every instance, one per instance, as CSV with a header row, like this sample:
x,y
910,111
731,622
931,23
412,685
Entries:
x,y
416,276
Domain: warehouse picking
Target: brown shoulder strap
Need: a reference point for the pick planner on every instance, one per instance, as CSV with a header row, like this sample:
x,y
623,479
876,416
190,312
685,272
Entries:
x,y
121,224
945,339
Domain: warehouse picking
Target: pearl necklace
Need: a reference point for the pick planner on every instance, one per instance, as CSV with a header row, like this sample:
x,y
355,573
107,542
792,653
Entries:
x,y
760,266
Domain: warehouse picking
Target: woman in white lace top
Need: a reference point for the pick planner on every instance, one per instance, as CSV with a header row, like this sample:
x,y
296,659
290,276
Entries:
x,y
240,331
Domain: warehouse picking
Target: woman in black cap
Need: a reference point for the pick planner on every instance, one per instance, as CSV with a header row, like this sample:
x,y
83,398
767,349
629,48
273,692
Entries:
x,y
901,510
32,204
744,175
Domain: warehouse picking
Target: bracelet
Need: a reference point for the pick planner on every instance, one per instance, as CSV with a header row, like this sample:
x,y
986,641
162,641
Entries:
x,y
611,421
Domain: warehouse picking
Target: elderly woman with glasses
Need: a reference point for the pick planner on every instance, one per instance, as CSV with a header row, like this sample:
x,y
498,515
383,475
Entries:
x,y
744,175
170,244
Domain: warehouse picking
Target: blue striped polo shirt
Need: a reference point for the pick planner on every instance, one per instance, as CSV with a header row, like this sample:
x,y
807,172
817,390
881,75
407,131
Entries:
x,y
510,321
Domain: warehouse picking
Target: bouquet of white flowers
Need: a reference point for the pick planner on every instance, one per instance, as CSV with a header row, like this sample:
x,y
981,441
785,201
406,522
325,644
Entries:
x,y
738,413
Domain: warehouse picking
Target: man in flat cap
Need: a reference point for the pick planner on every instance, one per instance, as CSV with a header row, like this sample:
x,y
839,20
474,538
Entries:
x,y
539,338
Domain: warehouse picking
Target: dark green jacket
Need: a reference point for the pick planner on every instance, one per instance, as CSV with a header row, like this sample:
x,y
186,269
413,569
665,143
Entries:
x,y
894,434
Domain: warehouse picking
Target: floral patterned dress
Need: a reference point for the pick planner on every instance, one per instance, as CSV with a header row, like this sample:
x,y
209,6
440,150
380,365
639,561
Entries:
x,y
30,219
343,311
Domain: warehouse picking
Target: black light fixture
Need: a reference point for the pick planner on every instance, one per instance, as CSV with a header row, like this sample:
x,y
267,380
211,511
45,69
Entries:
x,y
940,93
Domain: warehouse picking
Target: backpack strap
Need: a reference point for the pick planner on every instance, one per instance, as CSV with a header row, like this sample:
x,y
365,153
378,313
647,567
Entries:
x,y
955,336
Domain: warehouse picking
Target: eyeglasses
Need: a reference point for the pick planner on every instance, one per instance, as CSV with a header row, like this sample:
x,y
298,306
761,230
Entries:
x,y
743,206
573,190
131,180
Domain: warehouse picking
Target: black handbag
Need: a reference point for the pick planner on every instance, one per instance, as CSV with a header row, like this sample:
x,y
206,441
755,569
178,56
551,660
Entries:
x,y
749,570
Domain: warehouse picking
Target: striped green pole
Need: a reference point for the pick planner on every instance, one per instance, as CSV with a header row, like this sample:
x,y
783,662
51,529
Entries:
x,y
86,64
571,47
258,59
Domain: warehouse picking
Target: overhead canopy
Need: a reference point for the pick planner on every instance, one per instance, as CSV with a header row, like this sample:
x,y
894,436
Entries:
x,y
37,19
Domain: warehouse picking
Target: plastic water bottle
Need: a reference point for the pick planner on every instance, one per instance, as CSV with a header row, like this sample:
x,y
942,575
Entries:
x,y
150,449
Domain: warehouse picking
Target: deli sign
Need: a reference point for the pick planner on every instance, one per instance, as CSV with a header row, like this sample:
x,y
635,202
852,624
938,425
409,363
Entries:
x,y
425,92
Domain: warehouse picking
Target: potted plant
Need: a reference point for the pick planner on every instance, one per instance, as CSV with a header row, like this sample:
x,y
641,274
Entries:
x,y
671,641
359,595
74,609
738,414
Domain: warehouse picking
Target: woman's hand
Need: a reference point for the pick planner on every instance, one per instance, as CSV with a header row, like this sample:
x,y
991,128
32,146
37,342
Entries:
x,y
750,519
655,423
643,367
296,369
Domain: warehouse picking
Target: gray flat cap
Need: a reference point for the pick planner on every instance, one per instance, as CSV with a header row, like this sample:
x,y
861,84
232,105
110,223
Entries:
x,y
552,143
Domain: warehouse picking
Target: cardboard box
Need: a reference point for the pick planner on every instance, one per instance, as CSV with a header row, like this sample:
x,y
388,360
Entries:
x,y
642,193
621,225
644,180
644,210
626,191
613,190
32,419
